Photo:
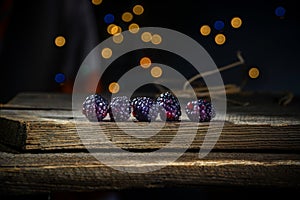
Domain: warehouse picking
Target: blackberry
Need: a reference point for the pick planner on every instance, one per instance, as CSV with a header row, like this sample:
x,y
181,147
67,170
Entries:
x,y
95,107
120,108
200,110
170,107
144,109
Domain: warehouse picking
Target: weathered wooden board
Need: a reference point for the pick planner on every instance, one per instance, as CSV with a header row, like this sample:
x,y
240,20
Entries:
x,y
45,122
38,133
42,151
31,173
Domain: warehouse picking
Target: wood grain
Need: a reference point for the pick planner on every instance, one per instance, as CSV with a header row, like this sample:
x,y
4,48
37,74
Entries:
x,y
54,130
32,173
254,127
258,146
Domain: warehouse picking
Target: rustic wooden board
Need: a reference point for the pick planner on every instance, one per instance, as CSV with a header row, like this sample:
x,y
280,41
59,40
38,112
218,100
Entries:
x,y
45,122
39,133
259,146
32,173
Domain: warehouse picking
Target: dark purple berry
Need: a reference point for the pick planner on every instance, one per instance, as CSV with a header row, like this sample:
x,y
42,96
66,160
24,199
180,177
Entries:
x,y
95,107
120,108
200,110
144,109
170,109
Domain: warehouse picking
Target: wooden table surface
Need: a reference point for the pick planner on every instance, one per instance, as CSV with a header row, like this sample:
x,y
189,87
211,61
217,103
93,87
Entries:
x,y
41,150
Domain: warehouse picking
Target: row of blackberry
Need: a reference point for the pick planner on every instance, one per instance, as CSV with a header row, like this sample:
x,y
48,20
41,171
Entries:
x,y
145,109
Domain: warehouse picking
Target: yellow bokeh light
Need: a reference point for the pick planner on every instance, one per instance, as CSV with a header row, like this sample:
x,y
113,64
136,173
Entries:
x,y
106,53
133,28
114,29
127,16
110,27
156,72
138,9
220,39
236,22
96,2
60,41
253,72
114,87
118,38
156,39
146,37
145,62
205,30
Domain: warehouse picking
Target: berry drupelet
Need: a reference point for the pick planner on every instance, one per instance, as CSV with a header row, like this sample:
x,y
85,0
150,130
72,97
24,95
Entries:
x,y
200,110
120,108
144,109
170,109
95,107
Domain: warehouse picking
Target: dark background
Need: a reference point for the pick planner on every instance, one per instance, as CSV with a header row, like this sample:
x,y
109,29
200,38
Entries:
x,y
29,59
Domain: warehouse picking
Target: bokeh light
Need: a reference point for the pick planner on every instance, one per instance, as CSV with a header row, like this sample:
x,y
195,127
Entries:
x,y
118,38
145,62
114,29
205,30
134,28
109,18
106,53
96,2
253,72
114,87
280,11
60,41
220,39
59,78
156,39
236,22
219,25
138,9
127,16
109,27
146,36
156,72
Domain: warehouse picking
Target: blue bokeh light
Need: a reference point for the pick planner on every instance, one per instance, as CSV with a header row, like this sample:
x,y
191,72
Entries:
x,y
60,78
280,11
109,18
219,25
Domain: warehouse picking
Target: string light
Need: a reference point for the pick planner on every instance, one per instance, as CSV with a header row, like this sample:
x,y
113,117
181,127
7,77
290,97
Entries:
x,y
205,30
145,62
114,87
138,9
109,18
106,53
219,25
118,38
156,72
127,16
156,39
220,39
146,37
280,11
59,78
253,72
60,41
96,2
114,29
236,22
134,28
